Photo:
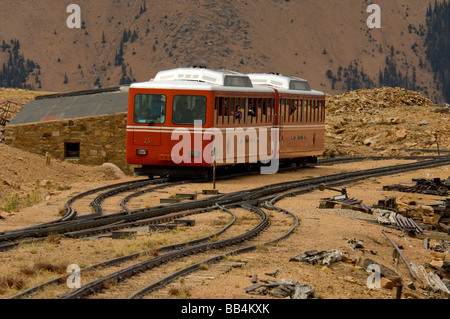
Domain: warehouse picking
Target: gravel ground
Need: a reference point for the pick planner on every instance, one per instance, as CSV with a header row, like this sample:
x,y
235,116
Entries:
x,y
320,229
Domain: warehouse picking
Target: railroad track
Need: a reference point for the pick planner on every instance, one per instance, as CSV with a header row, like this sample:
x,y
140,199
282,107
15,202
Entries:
x,y
251,199
268,202
120,260
11,239
72,217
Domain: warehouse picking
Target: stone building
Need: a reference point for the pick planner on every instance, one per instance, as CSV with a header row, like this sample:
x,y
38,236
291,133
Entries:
x,y
87,127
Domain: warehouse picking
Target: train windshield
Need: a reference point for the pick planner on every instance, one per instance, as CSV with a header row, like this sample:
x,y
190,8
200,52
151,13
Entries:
x,y
150,108
189,108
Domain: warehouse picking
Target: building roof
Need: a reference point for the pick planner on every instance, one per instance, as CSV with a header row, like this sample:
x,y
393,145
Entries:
x,y
73,105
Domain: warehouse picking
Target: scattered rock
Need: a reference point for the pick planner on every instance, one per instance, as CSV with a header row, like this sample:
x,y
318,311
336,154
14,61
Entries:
x,y
45,183
411,286
384,217
4,215
384,271
356,244
372,141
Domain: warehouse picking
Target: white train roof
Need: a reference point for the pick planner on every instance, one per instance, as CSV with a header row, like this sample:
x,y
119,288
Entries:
x,y
284,82
224,80
216,77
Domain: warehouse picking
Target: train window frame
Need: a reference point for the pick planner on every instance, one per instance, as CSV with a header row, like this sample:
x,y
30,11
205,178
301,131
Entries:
x,y
305,111
323,111
319,119
221,110
192,101
262,116
296,111
251,110
270,110
145,117
314,109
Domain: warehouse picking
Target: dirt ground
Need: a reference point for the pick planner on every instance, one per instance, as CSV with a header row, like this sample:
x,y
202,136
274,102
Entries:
x,y
320,229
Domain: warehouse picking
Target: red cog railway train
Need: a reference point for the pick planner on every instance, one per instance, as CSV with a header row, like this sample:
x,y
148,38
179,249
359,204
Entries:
x,y
186,121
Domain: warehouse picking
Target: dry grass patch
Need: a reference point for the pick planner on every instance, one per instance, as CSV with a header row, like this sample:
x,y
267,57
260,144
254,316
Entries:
x,y
11,282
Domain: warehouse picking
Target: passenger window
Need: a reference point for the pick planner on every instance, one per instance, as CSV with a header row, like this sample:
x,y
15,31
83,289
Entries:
x,y
189,108
305,110
294,108
270,108
238,111
262,111
150,108
252,111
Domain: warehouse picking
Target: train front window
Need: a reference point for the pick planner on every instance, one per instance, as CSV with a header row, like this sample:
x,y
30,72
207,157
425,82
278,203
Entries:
x,y
189,108
150,108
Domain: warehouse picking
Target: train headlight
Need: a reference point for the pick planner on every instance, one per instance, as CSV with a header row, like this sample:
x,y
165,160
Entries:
x,y
141,152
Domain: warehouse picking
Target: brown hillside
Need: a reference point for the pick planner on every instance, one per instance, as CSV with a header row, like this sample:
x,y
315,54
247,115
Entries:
x,y
303,38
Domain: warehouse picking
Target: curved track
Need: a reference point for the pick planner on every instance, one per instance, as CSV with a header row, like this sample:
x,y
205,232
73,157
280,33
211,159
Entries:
x,y
254,200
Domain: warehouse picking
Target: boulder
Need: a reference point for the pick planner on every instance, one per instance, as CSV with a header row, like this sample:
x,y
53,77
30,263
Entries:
x,y
384,271
113,171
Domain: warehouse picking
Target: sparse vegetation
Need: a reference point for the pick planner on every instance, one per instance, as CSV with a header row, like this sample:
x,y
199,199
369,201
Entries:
x,y
203,267
13,202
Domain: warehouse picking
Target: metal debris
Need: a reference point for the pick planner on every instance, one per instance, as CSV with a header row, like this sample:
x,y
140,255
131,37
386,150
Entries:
x,y
424,186
407,224
400,253
282,289
319,258
433,281
356,244
273,274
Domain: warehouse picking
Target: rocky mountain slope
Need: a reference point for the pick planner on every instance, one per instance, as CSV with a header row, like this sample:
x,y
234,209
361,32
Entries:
x,y
385,121
126,41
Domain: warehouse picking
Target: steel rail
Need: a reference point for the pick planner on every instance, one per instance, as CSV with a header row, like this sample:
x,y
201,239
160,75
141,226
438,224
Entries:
x,y
122,274
223,199
96,203
195,267
72,214
268,204
401,254
126,199
117,261
437,163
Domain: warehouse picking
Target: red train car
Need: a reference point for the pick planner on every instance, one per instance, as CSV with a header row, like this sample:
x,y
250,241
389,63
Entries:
x,y
186,120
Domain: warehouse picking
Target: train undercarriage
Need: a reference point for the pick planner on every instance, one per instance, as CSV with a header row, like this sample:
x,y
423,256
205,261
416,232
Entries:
x,y
192,172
